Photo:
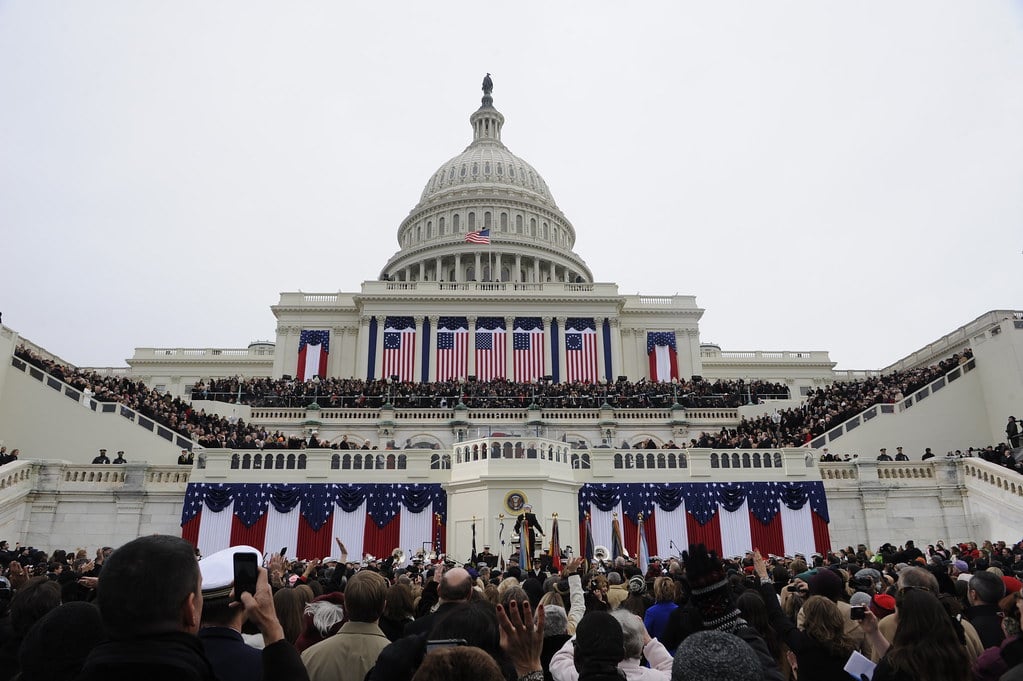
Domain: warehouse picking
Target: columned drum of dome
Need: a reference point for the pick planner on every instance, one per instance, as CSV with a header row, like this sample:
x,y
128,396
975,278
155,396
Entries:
x,y
487,187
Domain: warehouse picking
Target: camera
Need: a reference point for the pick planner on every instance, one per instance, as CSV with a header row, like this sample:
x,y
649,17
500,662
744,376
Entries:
x,y
857,612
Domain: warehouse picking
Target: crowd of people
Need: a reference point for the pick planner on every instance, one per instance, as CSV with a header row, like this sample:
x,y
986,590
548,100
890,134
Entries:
x,y
499,393
821,410
149,609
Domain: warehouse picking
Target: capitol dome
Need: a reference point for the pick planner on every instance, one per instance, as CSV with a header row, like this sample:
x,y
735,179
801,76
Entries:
x,y
489,192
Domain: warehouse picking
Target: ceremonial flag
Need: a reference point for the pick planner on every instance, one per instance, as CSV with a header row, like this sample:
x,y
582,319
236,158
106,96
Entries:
x,y
662,355
480,237
588,540
555,545
399,348
369,518
617,550
644,550
580,350
527,343
313,348
452,348
438,537
490,349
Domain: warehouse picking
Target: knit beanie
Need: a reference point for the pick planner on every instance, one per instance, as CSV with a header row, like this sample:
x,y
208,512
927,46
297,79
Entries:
x,y
715,656
711,594
637,585
825,583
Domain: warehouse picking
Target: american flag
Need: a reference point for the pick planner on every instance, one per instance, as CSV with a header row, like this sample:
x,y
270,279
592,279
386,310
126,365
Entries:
x,y
399,348
580,350
313,349
527,342
480,237
660,348
490,349
452,348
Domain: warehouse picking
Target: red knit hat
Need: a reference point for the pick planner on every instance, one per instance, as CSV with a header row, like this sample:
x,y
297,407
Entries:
x,y
1012,585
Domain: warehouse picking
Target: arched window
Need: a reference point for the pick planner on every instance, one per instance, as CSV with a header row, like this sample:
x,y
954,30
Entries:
x,y
445,461
434,462
546,231
247,461
290,464
662,460
402,462
618,461
777,459
429,229
455,223
640,461
357,460
368,463
486,219
279,462
268,461
532,226
391,462
714,461
671,460
301,462
745,460
472,221
735,459
586,460
724,461
234,461
335,462
518,224
441,227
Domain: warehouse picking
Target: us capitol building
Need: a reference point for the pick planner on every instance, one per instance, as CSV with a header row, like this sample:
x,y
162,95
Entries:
x,y
486,285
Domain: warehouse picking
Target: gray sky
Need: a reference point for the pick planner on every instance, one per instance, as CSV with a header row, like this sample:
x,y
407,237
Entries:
x,y
820,175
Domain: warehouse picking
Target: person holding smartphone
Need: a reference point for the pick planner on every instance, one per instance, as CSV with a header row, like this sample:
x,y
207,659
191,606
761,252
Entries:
x,y
150,598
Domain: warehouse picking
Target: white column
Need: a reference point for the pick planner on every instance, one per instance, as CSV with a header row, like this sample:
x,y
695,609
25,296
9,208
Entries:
x,y
517,274
616,349
417,359
509,348
432,337
562,359
458,267
378,364
471,370
478,274
598,322
547,349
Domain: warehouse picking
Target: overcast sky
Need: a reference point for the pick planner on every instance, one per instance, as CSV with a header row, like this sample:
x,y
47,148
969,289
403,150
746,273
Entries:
x,y
821,175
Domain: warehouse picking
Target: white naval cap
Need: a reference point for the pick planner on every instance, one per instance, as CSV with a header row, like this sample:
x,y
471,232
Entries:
x,y
218,571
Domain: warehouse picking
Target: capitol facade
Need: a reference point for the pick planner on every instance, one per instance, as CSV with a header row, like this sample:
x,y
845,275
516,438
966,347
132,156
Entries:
x,y
486,288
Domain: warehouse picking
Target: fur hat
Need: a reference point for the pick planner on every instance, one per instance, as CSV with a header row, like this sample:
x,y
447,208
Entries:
x,y
637,585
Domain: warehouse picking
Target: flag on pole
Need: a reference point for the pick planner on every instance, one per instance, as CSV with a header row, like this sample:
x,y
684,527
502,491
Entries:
x,y
472,558
589,538
438,546
524,546
480,237
644,550
555,545
617,550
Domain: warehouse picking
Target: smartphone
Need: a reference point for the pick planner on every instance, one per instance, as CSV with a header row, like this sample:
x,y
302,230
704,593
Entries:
x,y
792,587
246,570
856,612
444,643
284,551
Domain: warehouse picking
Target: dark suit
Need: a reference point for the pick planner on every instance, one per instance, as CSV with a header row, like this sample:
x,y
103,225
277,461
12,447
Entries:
x,y
230,658
534,527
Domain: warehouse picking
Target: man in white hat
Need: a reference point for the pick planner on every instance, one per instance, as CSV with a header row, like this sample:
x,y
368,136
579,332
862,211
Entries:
x,y
220,628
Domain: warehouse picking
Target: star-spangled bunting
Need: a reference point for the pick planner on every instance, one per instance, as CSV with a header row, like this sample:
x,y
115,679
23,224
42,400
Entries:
x,y
703,500
660,338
